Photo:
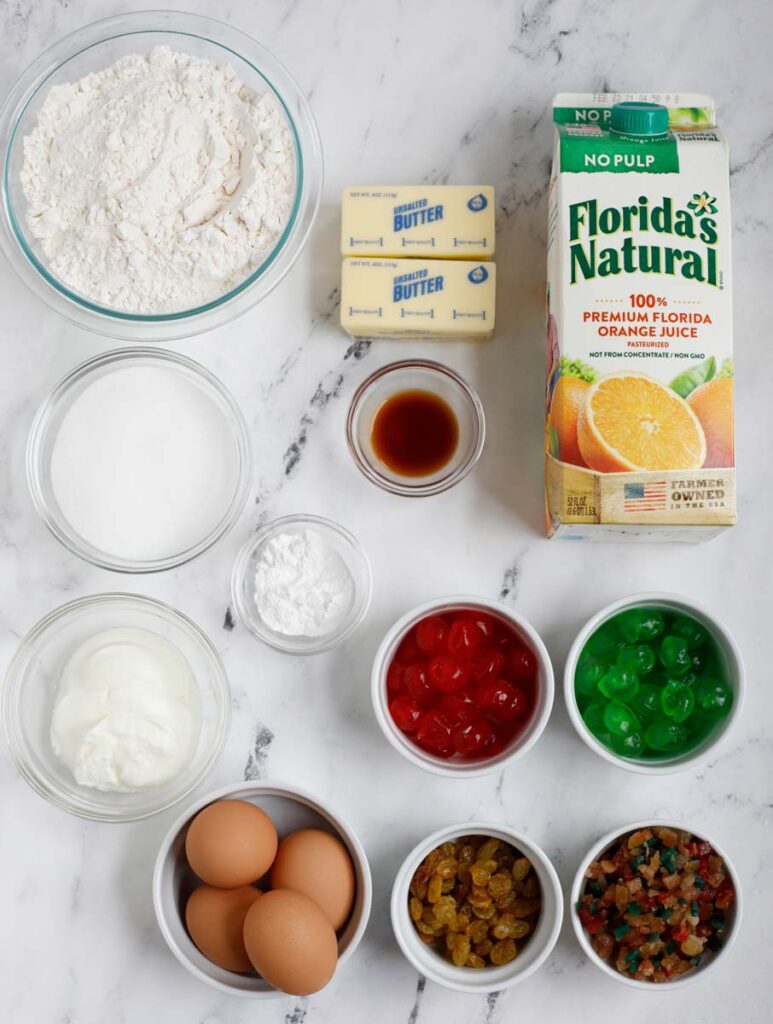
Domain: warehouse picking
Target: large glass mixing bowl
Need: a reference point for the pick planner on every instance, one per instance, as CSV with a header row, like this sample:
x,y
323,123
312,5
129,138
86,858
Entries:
x,y
96,47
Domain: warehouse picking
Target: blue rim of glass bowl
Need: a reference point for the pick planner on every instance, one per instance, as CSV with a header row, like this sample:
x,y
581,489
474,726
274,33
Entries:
x,y
156,318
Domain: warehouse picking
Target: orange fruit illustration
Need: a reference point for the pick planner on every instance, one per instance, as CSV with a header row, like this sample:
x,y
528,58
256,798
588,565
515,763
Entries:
x,y
631,422
568,398
712,403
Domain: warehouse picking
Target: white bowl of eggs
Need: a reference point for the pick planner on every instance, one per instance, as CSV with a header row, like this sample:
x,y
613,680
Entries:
x,y
260,890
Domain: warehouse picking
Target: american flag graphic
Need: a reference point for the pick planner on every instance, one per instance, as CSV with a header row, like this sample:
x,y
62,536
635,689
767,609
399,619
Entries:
x,y
650,497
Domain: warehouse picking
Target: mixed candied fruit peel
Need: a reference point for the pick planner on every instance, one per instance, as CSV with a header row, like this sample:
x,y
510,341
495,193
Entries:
x,y
655,903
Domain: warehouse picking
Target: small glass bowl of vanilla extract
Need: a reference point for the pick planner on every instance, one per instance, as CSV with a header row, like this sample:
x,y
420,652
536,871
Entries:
x,y
415,427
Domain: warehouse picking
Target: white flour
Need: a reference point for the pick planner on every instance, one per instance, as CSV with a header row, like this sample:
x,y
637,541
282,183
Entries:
x,y
302,585
157,184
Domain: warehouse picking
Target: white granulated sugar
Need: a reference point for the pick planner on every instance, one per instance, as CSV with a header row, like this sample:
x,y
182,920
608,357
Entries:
x,y
144,465
157,184
302,585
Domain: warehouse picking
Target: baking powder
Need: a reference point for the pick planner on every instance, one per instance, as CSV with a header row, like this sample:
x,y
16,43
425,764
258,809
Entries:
x,y
302,585
157,184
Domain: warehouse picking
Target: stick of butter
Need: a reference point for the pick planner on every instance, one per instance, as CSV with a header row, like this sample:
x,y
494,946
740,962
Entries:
x,y
436,221
433,299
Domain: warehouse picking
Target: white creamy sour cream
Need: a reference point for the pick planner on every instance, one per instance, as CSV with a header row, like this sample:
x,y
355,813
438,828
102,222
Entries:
x,y
128,713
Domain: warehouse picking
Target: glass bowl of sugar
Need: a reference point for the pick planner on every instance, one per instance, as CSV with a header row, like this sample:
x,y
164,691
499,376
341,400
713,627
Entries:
x,y
302,584
161,172
139,460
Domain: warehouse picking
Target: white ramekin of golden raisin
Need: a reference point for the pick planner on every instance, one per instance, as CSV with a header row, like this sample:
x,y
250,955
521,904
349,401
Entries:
x,y
517,896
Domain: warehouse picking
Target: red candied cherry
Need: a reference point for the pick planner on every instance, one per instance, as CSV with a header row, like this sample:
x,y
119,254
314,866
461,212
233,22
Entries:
x,y
458,708
431,634
521,664
408,650
405,713
503,734
448,675
464,638
434,734
486,664
417,684
487,625
501,701
504,639
473,738
395,680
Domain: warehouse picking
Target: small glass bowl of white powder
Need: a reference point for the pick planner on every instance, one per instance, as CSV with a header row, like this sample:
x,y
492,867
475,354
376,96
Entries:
x,y
161,174
302,584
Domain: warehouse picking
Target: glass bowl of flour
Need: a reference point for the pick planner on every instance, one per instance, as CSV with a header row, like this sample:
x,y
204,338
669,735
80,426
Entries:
x,y
115,707
161,174
302,584
139,460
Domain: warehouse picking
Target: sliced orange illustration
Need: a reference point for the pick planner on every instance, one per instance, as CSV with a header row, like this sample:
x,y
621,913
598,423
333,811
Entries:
x,y
568,398
712,403
631,422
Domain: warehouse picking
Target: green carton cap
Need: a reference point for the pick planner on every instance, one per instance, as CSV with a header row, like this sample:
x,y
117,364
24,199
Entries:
x,y
639,119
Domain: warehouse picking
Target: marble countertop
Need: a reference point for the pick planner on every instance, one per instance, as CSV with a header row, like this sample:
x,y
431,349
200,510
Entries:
x,y
441,91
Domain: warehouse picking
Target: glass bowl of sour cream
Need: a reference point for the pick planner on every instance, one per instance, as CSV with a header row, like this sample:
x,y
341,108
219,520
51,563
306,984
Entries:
x,y
115,707
161,172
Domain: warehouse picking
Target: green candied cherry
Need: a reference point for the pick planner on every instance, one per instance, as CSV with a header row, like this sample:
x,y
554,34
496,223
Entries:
x,y
631,745
593,717
606,641
675,655
665,736
646,703
620,719
677,700
640,624
698,662
713,697
690,630
619,683
639,659
588,673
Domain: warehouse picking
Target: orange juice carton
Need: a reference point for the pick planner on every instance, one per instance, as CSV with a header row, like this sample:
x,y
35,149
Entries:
x,y
639,396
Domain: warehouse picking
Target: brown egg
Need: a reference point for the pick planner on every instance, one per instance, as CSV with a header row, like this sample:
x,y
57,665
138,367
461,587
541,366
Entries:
x,y
215,920
231,843
317,864
290,942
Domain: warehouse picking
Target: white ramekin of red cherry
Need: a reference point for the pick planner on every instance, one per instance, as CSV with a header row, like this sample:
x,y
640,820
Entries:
x,y
462,685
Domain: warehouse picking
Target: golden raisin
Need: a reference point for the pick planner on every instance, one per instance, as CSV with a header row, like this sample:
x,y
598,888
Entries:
x,y
435,889
484,910
446,868
415,908
474,961
500,884
531,887
461,950
477,930
521,868
502,902
489,848
503,952
479,874
445,910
